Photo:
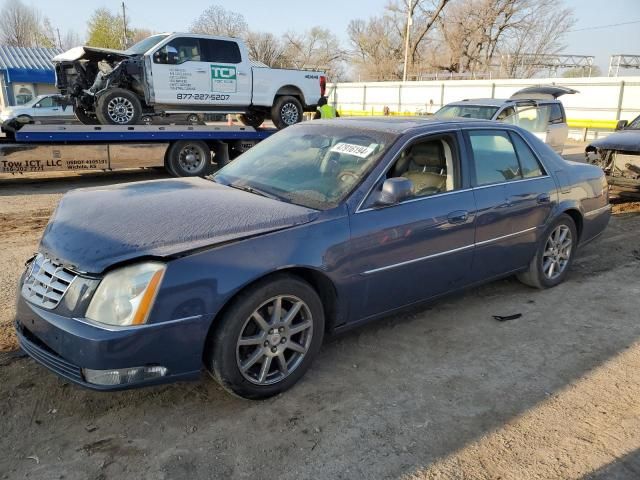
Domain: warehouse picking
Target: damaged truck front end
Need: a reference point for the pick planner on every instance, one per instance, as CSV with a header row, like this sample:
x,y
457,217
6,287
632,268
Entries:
x,y
104,86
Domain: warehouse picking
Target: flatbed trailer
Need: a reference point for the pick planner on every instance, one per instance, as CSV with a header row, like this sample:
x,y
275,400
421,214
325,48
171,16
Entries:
x,y
182,150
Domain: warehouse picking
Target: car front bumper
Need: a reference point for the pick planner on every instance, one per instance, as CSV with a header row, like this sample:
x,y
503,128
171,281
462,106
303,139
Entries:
x,y
67,346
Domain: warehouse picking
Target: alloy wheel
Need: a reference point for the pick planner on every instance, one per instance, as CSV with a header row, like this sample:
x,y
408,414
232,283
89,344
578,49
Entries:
x,y
120,110
274,340
557,252
289,113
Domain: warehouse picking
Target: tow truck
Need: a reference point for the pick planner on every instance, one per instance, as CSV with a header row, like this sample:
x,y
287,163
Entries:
x,y
183,150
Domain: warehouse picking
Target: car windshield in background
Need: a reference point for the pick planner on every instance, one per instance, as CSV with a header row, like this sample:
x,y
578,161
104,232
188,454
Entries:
x,y
144,45
635,123
315,166
484,112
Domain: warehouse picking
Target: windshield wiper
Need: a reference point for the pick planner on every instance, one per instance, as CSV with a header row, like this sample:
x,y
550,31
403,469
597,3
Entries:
x,y
255,191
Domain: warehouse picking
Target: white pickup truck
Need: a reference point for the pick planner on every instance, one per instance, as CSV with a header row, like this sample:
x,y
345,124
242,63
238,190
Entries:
x,y
182,73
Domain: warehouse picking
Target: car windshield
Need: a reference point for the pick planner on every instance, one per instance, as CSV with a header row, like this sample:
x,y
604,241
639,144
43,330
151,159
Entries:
x,y
315,166
635,123
484,112
143,45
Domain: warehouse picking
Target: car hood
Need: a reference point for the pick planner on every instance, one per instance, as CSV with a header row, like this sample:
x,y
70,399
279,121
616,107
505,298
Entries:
x,y
90,53
95,228
627,140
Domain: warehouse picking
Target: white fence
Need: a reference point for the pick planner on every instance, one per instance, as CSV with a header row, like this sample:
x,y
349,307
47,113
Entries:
x,y
601,99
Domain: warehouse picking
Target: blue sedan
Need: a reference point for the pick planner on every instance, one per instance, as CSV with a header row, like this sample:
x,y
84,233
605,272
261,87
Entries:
x,y
321,227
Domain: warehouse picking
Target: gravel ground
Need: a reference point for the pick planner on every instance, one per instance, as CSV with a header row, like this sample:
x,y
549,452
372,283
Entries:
x,y
440,392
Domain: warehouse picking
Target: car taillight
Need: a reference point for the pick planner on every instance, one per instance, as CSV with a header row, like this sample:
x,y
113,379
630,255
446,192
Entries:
x,y
323,85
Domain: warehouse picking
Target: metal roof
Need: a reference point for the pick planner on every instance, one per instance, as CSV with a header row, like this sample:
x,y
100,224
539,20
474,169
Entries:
x,y
27,58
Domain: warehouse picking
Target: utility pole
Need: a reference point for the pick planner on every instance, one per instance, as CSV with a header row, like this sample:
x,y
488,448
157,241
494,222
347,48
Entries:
x,y
124,28
406,40
59,41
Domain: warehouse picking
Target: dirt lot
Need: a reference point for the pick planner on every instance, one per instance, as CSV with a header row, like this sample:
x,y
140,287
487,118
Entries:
x,y
440,392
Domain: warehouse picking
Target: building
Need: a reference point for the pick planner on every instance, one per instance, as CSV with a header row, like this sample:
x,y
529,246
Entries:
x,y
25,73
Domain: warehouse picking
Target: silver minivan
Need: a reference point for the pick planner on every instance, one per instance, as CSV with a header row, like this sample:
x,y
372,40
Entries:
x,y
536,109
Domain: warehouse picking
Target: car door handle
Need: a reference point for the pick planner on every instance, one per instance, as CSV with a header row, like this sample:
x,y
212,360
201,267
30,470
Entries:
x,y
242,74
459,216
544,198
201,71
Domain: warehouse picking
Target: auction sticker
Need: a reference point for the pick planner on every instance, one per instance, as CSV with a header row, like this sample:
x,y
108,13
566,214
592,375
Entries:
x,y
355,150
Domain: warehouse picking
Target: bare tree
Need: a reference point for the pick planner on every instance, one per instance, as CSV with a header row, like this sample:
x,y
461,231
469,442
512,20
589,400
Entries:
x,y
216,20
24,26
266,48
70,39
317,49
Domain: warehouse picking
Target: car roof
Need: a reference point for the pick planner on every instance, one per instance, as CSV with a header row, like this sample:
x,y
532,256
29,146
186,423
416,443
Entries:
x,y
405,124
499,102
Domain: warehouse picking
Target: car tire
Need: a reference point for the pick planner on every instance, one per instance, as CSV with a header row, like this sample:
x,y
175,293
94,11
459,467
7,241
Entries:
x,y
554,255
189,158
253,118
286,111
84,118
25,119
118,107
287,349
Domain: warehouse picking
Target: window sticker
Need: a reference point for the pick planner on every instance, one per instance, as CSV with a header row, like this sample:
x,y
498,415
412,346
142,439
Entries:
x,y
360,151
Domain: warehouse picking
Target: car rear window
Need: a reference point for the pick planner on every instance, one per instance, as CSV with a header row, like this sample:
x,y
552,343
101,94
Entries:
x,y
222,51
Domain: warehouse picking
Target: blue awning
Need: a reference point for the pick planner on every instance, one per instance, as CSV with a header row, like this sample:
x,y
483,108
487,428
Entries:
x,y
30,75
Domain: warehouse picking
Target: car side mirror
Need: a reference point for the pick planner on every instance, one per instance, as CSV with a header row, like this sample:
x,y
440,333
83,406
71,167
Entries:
x,y
37,105
172,55
621,124
395,190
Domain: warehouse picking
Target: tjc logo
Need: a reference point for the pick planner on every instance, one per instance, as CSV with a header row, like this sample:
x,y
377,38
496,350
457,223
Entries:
x,y
224,73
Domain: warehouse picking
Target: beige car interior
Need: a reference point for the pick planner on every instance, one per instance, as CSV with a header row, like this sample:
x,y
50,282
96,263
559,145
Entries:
x,y
429,166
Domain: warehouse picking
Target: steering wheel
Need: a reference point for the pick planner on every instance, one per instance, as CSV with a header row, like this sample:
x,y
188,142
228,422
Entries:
x,y
348,176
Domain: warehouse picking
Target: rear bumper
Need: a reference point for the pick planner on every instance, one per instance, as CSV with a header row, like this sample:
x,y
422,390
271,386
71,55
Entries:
x,y
66,346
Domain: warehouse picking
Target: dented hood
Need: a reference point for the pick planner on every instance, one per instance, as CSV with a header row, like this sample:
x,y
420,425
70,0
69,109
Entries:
x,y
94,228
625,140
90,53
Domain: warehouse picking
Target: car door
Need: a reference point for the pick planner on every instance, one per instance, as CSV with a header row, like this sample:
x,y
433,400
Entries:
x,y
421,247
499,234
179,74
46,108
230,76
557,129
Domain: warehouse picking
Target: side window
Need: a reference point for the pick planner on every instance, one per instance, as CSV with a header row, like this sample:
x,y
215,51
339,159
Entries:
x,y
529,165
430,164
494,157
556,115
532,118
46,102
507,115
221,51
179,50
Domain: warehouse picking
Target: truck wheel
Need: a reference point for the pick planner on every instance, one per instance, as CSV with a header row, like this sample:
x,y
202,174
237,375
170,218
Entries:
x,y
118,107
286,111
189,158
253,118
84,118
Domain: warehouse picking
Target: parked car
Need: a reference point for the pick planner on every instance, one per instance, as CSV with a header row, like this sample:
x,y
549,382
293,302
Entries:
x,y
320,227
183,73
618,154
536,109
43,108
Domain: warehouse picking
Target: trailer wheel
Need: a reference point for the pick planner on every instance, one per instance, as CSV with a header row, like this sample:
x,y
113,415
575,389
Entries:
x,y
118,107
253,118
84,118
189,158
286,111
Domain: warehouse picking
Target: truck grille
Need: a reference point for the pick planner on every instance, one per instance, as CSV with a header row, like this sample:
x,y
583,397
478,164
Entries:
x,y
46,282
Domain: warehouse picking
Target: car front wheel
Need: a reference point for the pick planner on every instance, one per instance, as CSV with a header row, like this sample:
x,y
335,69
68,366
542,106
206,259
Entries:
x,y
554,255
268,337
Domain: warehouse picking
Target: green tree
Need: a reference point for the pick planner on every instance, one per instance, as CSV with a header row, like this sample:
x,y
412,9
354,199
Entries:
x,y
107,30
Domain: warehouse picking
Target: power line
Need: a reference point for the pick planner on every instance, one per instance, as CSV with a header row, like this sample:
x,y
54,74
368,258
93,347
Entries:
x,y
603,26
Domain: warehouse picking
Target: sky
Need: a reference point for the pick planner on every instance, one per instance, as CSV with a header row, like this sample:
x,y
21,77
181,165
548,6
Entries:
x,y
279,16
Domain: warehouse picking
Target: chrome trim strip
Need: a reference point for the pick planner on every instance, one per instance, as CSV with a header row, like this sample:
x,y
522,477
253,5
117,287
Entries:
x,y
446,252
118,328
597,211
508,182
491,240
417,199
375,270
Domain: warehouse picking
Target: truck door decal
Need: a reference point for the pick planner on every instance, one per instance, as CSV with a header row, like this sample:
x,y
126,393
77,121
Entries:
x,y
224,79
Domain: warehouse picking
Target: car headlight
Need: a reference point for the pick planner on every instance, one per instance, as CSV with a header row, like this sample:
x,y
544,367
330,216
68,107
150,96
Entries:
x,y
125,296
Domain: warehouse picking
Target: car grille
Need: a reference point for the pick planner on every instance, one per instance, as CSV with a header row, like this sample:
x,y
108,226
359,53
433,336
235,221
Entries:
x,y
46,282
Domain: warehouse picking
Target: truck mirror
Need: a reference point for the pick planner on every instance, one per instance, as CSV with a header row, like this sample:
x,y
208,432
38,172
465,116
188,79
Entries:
x,y
172,55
